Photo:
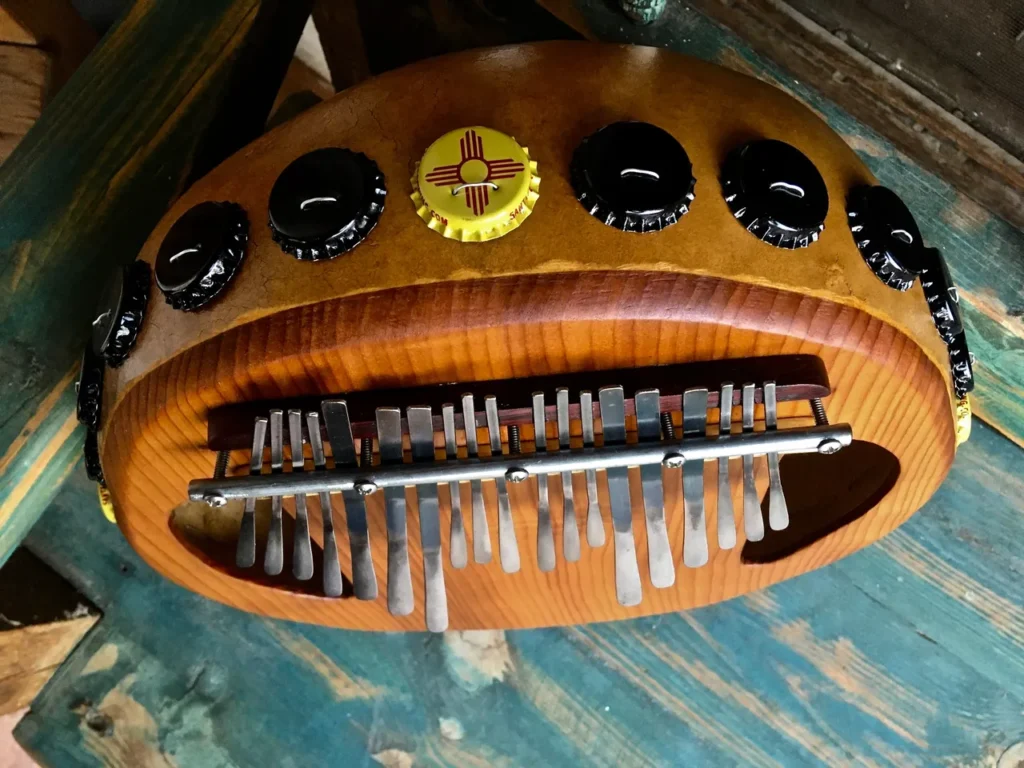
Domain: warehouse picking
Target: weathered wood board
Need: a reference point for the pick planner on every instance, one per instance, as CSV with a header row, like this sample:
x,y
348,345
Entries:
x,y
909,653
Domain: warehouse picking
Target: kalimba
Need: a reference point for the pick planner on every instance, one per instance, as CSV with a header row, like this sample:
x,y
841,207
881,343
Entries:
x,y
708,353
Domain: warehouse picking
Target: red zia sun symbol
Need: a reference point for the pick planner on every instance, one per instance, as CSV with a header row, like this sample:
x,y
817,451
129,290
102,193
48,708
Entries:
x,y
475,170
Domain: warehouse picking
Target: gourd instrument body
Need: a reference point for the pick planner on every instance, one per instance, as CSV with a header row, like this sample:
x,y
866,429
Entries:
x,y
561,294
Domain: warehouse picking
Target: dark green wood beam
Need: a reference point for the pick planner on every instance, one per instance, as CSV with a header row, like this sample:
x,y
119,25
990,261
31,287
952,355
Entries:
x,y
170,91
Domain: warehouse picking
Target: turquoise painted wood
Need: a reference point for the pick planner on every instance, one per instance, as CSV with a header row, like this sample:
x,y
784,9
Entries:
x,y
909,653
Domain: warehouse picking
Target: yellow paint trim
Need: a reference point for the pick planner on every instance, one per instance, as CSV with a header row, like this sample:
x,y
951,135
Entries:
x,y
44,409
20,491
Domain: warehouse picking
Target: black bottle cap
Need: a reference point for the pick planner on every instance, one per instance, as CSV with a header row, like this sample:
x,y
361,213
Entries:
x,y
775,191
120,312
961,364
886,236
91,451
633,176
942,296
325,203
201,254
90,388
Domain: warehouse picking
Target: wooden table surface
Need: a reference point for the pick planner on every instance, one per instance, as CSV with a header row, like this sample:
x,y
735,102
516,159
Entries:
x,y
909,653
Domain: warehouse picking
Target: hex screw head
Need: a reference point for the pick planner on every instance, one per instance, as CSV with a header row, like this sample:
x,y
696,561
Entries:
x,y
830,446
365,487
516,475
673,461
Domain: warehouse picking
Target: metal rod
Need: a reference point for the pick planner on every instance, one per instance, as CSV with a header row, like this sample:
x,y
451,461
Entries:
x,y
508,547
804,440
570,529
659,549
595,525
302,548
457,551
545,536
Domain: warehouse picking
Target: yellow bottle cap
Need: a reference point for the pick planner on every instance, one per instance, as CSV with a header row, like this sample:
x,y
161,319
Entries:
x,y
475,184
106,503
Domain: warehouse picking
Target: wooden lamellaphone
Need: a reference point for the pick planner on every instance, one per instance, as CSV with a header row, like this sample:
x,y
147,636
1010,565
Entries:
x,y
318,392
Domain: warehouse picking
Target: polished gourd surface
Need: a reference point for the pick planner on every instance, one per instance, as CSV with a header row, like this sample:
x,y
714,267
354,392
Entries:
x,y
561,293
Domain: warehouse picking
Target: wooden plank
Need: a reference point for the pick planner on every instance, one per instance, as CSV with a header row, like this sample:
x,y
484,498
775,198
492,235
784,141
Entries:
x,y
960,55
55,26
13,32
24,73
983,251
159,100
337,22
908,653
42,618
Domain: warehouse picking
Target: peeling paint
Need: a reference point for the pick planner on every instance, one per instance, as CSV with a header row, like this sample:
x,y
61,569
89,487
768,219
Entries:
x,y
477,658
344,686
105,658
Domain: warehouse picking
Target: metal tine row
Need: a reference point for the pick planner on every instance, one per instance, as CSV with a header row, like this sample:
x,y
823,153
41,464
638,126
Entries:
x,y
343,446
652,425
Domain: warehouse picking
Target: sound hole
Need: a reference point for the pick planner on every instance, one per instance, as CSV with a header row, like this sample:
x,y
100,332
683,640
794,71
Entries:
x,y
211,534
824,493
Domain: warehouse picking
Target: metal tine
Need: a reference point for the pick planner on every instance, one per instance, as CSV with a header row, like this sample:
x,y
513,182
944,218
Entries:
x,y
332,568
245,552
695,535
778,512
273,558
389,438
753,523
302,549
339,432
659,551
570,529
508,548
726,517
627,573
457,534
595,525
421,438
545,537
481,531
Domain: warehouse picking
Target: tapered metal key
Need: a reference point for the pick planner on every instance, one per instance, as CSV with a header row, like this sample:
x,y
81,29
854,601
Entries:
x,y
659,551
753,523
508,548
545,537
245,552
421,439
726,518
332,568
339,432
595,525
389,438
778,512
273,558
570,528
481,531
695,535
457,533
627,573
302,548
